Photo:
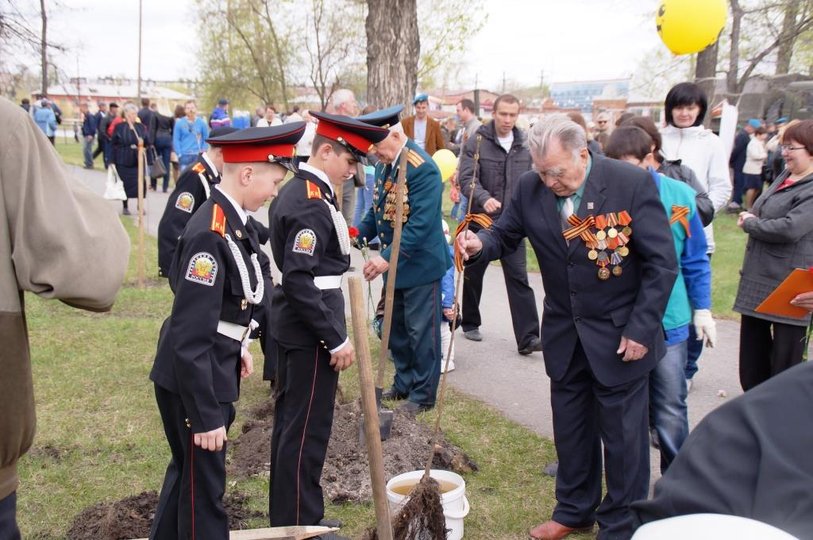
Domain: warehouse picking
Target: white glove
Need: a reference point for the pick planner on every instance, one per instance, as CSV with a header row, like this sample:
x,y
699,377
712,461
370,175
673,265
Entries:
x,y
705,327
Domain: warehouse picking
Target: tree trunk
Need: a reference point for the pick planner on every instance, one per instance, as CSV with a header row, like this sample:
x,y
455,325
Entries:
x,y
393,49
787,38
705,73
734,58
44,48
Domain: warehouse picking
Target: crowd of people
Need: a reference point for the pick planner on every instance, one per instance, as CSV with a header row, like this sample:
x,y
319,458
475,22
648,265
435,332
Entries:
x,y
620,218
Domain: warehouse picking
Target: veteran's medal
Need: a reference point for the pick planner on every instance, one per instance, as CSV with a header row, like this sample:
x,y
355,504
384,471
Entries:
x,y
592,254
603,273
617,271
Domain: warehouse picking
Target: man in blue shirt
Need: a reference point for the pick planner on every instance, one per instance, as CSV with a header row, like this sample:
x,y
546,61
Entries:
x,y
189,136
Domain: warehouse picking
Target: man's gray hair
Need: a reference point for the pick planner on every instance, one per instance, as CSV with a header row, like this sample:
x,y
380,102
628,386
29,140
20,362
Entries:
x,y
341,96
556,127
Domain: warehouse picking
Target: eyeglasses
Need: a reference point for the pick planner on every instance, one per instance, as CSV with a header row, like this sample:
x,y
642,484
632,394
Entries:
x,y
788,148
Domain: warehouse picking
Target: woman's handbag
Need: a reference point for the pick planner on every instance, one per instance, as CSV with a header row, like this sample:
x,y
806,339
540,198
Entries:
x,y
157,168
114,187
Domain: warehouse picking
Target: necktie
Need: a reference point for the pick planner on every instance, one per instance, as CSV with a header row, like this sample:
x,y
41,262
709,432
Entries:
x,y
566,212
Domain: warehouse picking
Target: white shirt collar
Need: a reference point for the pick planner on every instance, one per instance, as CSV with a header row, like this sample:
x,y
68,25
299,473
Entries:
x,y
208,161
320,174
398,155
237,207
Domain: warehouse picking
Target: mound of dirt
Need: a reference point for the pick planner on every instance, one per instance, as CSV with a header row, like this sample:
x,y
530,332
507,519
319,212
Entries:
x,y
132,517
346,476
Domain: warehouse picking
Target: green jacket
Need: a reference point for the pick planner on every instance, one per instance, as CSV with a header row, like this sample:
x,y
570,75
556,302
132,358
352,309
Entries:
x,y
424,255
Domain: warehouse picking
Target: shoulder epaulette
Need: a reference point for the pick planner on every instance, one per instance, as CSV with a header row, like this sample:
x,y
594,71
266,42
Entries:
x,y
313,190
198,167
414,158
218,220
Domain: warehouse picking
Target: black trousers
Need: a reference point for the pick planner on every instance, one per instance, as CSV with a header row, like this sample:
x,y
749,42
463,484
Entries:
x,y
768,348
303,417
8,518
521,300
585,415
191,502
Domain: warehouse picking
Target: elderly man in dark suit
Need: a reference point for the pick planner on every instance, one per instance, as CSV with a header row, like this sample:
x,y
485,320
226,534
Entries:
x,y
602,240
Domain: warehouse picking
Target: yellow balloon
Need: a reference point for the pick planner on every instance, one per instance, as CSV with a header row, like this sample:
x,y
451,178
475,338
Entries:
x,y
689,26
446,162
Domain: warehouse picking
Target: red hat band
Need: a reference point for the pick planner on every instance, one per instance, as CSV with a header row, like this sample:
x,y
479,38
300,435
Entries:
x,y
332,131
256,153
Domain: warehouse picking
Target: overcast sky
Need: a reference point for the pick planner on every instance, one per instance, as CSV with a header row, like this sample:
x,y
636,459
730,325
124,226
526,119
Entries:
x,y
565,39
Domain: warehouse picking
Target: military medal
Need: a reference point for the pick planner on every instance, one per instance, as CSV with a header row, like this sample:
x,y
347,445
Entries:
x,y
617,271
592,254
623,251
603,273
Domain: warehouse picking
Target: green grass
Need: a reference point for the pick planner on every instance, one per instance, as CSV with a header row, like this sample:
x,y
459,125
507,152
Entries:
x,y
725,264
100,438
71,152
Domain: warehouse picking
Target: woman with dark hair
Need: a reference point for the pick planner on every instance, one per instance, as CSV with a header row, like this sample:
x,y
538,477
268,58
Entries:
x,y
674,169
780,238
685,139
126,137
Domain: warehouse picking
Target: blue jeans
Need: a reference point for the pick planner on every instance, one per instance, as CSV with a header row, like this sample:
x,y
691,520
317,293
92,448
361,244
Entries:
x,y
459,208
364,201
185,160
667,402
87,151
8,518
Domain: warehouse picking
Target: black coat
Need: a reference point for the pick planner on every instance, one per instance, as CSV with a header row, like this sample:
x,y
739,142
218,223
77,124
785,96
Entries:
x,y
748,458
125,154
194,360
304,244
498,170
578,305
191,191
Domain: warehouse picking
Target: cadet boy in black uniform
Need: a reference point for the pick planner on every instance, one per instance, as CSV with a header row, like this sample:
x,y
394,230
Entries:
x,y
202,349
191,191
311,246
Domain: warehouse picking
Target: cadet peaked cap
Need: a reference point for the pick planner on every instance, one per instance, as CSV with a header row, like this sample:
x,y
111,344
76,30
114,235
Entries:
x,y
419,98
357,137
385,118
219,132
259,144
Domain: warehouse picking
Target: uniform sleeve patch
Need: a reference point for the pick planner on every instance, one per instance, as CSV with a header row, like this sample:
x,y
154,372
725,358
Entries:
x,y
202,269
305,242
185,202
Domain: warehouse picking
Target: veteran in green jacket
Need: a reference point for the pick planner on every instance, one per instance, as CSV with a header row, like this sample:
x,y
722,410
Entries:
x,y
422,261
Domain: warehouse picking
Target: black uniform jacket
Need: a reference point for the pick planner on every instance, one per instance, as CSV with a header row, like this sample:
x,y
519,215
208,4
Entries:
x,y
304,244
193,359
750,457
580,307
191,191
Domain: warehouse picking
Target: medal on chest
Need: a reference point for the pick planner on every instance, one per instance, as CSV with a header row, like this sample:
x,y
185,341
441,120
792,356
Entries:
x,y
606,237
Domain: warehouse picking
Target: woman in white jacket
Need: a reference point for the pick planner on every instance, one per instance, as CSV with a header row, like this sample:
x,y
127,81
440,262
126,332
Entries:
x,y
755,155
685,139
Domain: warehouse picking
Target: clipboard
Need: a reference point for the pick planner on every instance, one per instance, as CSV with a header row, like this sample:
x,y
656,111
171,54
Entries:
x,y
778,302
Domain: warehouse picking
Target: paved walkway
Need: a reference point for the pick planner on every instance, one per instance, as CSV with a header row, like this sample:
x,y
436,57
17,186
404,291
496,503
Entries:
x,y
492,370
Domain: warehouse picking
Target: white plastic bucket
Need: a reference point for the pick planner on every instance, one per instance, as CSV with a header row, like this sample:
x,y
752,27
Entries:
x,y
455,504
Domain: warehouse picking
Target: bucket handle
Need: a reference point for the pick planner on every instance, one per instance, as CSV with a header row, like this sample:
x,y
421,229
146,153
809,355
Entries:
x,y
451,514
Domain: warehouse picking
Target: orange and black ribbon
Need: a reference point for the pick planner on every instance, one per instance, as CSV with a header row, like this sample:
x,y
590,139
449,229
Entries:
x,y
580,228
680,214
482,220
